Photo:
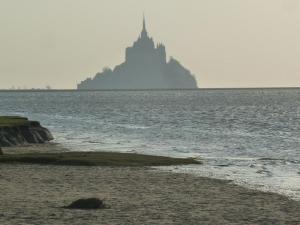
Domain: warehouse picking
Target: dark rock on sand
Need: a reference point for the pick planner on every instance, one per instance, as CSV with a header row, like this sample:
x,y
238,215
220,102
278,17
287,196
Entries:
x,y
1,152
90,203
20,131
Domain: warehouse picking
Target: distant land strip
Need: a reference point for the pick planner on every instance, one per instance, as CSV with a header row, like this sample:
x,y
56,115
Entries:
x,y
145,90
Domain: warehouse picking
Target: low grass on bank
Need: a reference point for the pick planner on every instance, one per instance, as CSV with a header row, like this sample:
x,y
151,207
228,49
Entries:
x,y
95,159
12,121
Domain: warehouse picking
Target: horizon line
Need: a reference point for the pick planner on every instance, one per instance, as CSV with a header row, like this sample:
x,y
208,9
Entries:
x,y
194,89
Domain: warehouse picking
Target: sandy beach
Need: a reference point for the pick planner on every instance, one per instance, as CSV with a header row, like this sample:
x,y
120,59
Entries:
x,y
35,194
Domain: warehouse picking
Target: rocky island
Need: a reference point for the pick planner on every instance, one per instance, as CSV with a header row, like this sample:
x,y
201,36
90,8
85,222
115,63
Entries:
x,y
16,131
145,67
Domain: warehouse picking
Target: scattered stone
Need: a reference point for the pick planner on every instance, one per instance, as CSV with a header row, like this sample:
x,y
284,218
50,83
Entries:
x,y
1,152
89,203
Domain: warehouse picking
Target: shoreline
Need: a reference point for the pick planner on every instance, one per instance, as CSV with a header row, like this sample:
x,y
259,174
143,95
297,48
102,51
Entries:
x,y
177,168
110,159
135,195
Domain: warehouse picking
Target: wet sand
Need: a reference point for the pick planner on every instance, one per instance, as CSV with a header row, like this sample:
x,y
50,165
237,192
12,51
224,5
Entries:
x,y
35,194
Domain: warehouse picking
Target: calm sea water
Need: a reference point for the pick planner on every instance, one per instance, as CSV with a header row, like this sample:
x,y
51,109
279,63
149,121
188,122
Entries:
x,y
249,136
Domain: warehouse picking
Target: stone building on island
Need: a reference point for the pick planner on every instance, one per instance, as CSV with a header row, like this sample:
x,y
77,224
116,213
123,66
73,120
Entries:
x,y
145,67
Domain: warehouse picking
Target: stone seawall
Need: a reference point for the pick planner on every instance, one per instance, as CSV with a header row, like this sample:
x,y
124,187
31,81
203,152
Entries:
x,y
22,132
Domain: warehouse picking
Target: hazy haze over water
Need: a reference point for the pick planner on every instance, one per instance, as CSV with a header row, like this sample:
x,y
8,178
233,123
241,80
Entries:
x,y
230,43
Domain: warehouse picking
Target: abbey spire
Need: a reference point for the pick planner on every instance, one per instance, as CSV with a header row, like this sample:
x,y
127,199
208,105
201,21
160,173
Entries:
x,y
144,31
144,23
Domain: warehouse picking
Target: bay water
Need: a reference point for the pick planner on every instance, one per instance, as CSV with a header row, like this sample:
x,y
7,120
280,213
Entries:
x,y
249,136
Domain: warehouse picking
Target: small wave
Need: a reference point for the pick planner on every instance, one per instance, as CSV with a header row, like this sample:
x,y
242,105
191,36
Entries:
x,y
270,159
128,126
266,172
224,165
93,142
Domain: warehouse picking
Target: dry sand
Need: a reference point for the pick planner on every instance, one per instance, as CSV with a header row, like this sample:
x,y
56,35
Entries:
x,y
35,194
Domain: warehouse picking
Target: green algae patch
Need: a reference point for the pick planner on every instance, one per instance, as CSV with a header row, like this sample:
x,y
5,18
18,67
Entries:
x,y
96,159
13,121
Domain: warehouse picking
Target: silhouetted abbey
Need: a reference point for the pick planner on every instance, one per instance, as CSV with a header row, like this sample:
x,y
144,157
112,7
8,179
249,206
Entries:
x,y
145,67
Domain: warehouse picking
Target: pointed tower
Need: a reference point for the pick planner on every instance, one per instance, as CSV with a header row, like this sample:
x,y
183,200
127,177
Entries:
x,y
144,31
144,22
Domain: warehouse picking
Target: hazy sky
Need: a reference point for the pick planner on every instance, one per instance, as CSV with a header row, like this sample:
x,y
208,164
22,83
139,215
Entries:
x,y
225,43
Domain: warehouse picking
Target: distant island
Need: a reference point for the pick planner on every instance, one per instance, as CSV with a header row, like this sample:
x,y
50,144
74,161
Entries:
x,y
145,67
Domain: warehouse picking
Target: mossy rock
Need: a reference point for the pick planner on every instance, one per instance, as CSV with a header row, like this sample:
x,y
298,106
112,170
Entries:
x,y
16,131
